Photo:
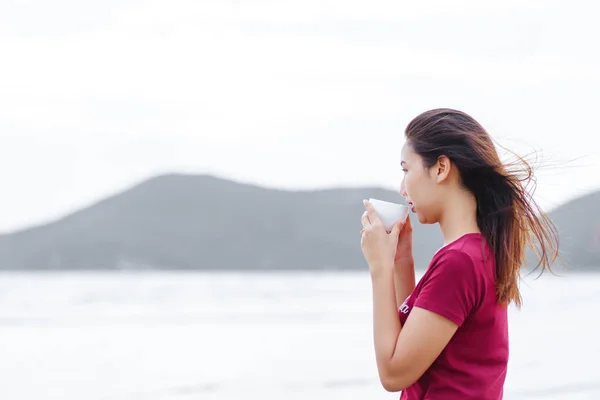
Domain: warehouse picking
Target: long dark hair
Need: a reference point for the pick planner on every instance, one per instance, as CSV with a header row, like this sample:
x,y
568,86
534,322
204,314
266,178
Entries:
x,y
507,214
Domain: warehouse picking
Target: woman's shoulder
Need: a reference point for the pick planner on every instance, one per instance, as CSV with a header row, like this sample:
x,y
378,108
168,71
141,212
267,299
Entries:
x,y
467,259
454,284
467,255
468,246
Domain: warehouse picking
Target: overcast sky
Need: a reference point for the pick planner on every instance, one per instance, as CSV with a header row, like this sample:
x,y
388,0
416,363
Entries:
x,y
97,96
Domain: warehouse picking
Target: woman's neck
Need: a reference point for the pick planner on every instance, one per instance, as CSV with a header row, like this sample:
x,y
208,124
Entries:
x,y
459,216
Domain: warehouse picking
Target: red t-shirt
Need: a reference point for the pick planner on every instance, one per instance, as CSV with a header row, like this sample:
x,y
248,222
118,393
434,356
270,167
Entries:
x,y
459,284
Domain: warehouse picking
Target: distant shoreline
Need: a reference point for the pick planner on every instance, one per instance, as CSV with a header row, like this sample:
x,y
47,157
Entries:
x,y
203,223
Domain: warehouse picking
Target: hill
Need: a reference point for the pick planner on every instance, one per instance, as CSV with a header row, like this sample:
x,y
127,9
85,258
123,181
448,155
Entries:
x,y
578,225
200,222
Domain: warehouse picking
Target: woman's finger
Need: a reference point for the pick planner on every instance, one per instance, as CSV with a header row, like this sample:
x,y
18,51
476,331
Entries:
x,y
371,213
397,228
366,223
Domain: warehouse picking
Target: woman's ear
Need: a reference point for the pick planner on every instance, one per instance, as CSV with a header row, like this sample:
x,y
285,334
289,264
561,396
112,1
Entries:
x,y
442,169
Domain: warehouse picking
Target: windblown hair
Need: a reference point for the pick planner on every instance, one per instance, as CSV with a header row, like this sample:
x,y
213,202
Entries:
x,y
507,214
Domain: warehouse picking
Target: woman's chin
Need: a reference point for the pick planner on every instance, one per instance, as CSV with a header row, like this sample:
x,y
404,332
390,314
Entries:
x,y
423,220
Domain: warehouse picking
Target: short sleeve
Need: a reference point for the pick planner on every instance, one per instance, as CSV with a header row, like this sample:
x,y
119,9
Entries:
x,y
453,288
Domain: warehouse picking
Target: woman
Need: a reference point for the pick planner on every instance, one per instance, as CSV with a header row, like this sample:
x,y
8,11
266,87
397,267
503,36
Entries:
x,y
447,336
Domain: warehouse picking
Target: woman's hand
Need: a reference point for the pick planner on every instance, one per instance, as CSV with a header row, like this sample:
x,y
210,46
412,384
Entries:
x,y
379,247
404,249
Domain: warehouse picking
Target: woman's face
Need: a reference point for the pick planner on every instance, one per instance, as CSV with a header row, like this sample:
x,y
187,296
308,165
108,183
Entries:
x,y
419,187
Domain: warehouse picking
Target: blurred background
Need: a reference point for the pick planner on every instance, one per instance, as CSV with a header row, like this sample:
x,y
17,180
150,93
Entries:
x,y
183,183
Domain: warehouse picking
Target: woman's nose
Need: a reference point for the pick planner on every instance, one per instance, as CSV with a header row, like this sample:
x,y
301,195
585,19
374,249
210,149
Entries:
x,y
402,189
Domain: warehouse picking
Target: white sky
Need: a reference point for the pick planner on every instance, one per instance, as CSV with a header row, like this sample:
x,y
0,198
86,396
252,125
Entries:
x,y
96,96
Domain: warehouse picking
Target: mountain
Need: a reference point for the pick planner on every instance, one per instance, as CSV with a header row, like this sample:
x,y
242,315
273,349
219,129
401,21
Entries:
x,y
578,225
201,222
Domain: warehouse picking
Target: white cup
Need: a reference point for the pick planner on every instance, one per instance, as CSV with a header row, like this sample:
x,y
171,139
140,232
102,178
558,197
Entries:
x,y
389,213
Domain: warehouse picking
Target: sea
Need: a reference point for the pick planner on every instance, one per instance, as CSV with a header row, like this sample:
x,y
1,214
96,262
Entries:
x,y
284,335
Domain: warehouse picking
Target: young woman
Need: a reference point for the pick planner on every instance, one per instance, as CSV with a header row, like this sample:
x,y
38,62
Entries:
x,y
447,336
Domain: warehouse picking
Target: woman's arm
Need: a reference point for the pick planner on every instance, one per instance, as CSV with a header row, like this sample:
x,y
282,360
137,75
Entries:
x,y
452,289
403,354
404,281
404,263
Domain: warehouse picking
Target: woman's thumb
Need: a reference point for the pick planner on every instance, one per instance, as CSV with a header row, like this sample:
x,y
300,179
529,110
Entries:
x,y
397,227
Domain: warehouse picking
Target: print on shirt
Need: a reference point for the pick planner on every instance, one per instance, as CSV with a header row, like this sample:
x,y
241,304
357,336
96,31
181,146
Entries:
x,y
404,308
